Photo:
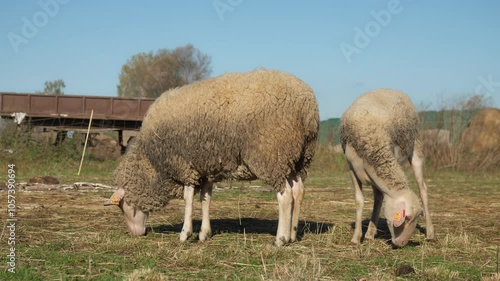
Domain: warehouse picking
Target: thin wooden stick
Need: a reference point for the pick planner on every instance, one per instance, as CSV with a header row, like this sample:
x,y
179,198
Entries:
x,y
239,212
86,140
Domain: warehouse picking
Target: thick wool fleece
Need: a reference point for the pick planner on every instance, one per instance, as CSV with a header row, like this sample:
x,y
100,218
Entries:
x,y
262,124
142,183
374,125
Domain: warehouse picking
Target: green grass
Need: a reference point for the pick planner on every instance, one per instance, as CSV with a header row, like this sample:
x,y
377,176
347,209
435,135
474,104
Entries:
x,y
69,235
35,156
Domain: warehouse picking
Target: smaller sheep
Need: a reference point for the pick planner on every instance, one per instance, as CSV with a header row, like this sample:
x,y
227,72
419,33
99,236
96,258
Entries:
x,y
243,126
378,133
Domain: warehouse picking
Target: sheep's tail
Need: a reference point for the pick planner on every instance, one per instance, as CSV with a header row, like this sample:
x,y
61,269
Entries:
x,y
310,123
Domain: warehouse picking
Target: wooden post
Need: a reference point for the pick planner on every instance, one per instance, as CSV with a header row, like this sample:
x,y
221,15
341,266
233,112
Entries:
x,y
86,140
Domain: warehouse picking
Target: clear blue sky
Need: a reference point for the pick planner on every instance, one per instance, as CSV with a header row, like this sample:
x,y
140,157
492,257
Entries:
x,y
436,51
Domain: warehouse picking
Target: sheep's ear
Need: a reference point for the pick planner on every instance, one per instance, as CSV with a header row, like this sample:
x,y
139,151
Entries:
x,y
399,215
116,198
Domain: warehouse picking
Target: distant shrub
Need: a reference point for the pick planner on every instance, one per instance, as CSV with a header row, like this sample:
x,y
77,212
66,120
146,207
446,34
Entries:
x,y
20,143
328,159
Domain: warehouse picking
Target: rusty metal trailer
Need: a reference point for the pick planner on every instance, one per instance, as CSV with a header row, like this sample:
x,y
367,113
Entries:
x,y
70,112
74,111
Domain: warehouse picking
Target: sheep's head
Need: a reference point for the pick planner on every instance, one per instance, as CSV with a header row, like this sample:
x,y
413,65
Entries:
x,y
135,218
402,214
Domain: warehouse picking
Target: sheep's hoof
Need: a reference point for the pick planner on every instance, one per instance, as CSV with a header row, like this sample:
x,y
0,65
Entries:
x,y
205,235
281,241
370,234
184,236
356,241
431,240
370,237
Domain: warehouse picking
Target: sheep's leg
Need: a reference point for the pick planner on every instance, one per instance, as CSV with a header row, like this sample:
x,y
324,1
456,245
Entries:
x,y
378,198
358,196
187,228
205,198
285,200
298,196
417,164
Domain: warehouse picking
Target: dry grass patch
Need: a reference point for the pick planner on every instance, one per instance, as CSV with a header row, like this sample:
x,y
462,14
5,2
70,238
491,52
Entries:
x,y
70,235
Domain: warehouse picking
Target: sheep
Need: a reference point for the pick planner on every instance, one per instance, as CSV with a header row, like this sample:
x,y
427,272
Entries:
x,y
243,126
378,134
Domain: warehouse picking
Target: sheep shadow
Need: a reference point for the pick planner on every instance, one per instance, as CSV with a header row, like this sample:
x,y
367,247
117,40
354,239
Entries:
x,y
247,225
383,232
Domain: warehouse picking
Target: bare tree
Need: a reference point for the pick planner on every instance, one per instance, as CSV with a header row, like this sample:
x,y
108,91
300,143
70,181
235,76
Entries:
x,y
54,87
150,74
475,102
193,64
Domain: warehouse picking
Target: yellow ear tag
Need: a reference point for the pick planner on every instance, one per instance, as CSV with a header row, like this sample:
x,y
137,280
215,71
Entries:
x,y
396,217
115,200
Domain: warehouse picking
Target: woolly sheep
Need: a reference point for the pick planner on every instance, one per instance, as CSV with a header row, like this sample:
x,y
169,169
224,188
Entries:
x,y
242,126
378,134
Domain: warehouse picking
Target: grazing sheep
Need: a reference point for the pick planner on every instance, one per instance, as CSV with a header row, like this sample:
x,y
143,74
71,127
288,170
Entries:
x,y
378,133
243,126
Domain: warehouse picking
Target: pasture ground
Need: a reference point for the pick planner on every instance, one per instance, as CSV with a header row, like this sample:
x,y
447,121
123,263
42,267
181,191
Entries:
x,y
70,235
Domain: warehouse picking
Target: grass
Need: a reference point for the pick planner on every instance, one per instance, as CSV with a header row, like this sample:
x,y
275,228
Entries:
x,y
33,156
70,235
